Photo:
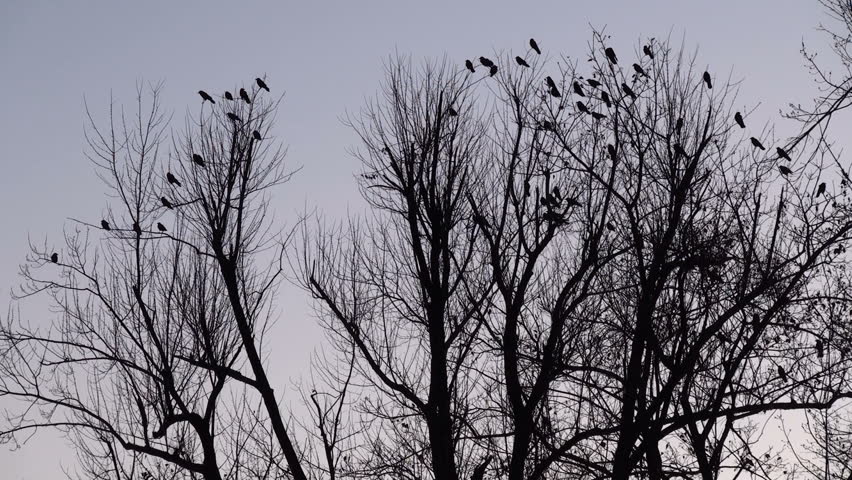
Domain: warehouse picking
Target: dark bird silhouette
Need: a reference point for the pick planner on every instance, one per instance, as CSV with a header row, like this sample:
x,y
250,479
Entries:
x,y
610,226
582,107
161,227
105,225
784,170
611,151
479,471
638,69
261,84
549,81
137,229
244,96
205,97
628,90
492,70
196,159
679,149
578,89
598,116
555,92
782,373
593,83
54,257
166,203
679,124
610,55
534,46
707,80
783,154
487,63
522,62
256,135
452,112
606,100
546,125
228,96
469,65
757,143
820,189
647,51
820,348
172,180
232,117
739,119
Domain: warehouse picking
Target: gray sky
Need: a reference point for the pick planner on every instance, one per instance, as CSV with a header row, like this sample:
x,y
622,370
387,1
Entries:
x,y
327,57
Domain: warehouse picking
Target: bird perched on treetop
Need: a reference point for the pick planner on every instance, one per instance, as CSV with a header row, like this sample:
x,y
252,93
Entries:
x,y
54,257
578,89
784,170
522,62
105,225
166,203
820,189
492,70
647,50
232,117
707,80
757,143
593,83
610,55
628,90
161,227
205,97
549,81
555,92
261,84
605,98
486,62
172,180
256,135
197,159
452,112
244,96
782,154
739,119
228,96
611,151
679,124
469,65
638,69
534,46
582,107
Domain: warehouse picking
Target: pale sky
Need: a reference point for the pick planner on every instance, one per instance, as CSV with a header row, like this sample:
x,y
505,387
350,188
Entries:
x,y
327,57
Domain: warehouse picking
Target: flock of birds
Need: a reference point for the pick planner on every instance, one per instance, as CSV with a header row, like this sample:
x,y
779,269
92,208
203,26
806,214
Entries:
x,y
196,159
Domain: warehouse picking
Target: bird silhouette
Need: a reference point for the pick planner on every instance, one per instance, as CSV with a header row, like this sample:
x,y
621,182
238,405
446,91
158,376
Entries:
x,y
757,143
261,84
707,80
244,96
469,65
598,116
452,112
739,119
161,227
54,257
534,46
256,135
166,203
487,63
228,96
555,92
105,225
647,51
610,226
593,83
611,151
546,125
679,124
582,107
784,170
610,55
205,97
638,69
783,154
628,90
820,189
172,180
137,229
492,70
578,89
522,62
197,159
782,373
232,117
606,100
479,471
820,348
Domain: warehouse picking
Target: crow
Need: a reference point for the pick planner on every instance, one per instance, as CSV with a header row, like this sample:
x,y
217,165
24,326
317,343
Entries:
x,y
486,62
638,68
757,143
54,257
739,119
244,96
784,170
522,62
261,84
105,225
549,81
161,227
546,125
593,83
469,65
782,373
555,92
256,135
166,203
492,71
452,112
197,159
820,189
605,98
707,80
206,97
610,226
582,107
137,229
611,151
610,55
647,50
534,46
783,154
628,90
578,89
232,117
228,96
598,116
820,348
679,124
172,180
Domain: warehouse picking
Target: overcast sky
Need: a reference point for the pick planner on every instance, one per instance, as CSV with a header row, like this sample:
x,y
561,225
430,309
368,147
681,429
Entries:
x,y
327,57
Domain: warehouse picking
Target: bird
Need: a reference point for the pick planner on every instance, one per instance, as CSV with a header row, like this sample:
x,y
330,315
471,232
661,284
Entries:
x,y
137,229
549,81
628,90
232,117
605,98
479,471
166,203
582,107
197,159
555,92
469,65
161,227
522,62
707,80
782,154
578,89
611,151
820,348
593,83
105,225
784,170
757,143
452,112
228,96
598,116
261,84
679,124
172,180
244,96
256,135
546,125
206,97
782,373
492,71
820,189
610,226
647,51
534,46
638,68
739,119
610,55
487,63
54,257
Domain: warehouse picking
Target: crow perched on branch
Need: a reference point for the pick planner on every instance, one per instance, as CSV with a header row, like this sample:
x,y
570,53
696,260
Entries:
x,y
820,189
647,51
578,89
638,69
486,62
205,97
739,119
469,65
757,143
707,80
256,135
492,71
244,96
261,84
610,55
166,203
172,180
784,170
783,154
522,62
534,46
196,159
628,90
228,96
582,107
606,100
105,225
233,117
593,83
54,257
161,227
137,229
